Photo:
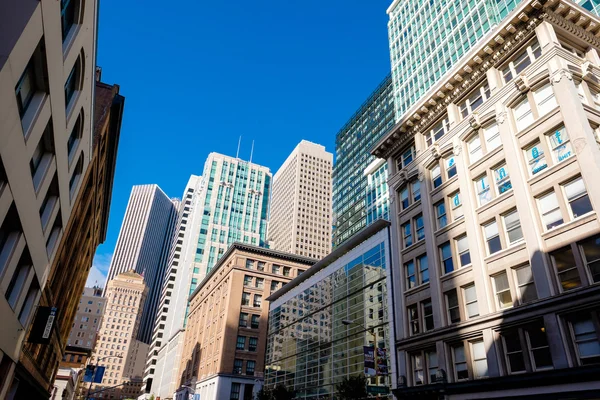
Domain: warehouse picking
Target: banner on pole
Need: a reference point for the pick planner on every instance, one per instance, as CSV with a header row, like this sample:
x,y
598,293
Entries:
x,y
99,374
382,366
369,353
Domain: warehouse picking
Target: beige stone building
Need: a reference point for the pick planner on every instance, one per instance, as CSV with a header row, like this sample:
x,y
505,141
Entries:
x,y
87,319
498,251
301,210
116,348
47,78
224,345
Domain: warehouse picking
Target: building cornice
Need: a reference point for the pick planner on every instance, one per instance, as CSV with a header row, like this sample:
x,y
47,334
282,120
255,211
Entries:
x,y
491,53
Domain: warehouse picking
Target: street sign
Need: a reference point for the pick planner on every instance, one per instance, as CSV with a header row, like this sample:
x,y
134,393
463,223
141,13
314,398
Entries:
x,y
378,389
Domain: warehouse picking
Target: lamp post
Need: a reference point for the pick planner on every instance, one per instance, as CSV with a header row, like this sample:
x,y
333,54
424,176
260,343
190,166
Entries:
x,y
87,396
371,330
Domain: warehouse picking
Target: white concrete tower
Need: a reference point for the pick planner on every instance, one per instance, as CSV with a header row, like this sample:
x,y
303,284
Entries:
x,y
301,210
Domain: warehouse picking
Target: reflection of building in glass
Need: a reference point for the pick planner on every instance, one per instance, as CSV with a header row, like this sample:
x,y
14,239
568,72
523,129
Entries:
x,y
377,199
494,187
352,144
309,348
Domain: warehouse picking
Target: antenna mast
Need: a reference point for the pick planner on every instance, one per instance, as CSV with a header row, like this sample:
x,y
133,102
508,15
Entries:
x,y
238,149
251,151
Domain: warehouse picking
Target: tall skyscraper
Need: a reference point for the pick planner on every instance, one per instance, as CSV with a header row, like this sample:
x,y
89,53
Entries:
x,y
235,202
160,375
496,230
301,211
427,38
228,203
117,348
352,144
143,245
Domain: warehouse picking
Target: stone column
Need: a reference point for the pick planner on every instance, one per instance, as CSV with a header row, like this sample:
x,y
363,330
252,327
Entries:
x,y
525,203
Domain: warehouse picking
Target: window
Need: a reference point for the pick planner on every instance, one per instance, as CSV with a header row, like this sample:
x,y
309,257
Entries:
x,y
404,198
247,280
591,256
474,100
252,344
436,176
450,167
440,214
521,61
482,187
491,133
427,310
425,365
411,279
560,146
26,88
241,343
523,114
416,190
276,269
453,307
243,319
407,235
423,268
550,211
512,224
459,358
249,264
462,245
579,201
42,156
259,283
254,322
492,237
566,268
407,157
502,291
446,255
419,227
72,83
531,338
480,367
456,206
438,130
470,295
17,282
257,300
250,365
287,271
502,179
535,158
67,16
237,366
475,149
544,99
525,284
260,266
245,299
585,337
413,319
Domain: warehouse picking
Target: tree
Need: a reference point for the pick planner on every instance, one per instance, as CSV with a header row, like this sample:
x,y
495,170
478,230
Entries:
x,y
280,392
353,388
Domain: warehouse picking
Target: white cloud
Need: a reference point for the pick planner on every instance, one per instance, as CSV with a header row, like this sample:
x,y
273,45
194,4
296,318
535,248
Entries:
x,y
99,270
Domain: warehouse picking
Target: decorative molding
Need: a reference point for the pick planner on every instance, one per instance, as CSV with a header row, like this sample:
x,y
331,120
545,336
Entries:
x,y
475,121
579,145
457,148
522,83
569,26
501,116
435,151
558,75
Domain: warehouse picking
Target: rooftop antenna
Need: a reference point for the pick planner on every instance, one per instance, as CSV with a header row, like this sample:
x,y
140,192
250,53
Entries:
x,y
251,151
238,150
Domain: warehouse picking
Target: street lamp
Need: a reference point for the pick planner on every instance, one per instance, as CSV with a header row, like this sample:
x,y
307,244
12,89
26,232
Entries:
x,y
371,330
92,380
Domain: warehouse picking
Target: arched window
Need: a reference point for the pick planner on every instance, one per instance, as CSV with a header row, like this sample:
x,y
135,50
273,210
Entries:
x,y
75,136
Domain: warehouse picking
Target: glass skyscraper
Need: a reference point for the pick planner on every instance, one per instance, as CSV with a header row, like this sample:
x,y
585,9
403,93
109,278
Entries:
x,y
427,38
352,144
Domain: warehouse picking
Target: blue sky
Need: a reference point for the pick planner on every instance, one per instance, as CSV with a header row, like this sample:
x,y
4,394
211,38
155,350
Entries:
x,y
198,75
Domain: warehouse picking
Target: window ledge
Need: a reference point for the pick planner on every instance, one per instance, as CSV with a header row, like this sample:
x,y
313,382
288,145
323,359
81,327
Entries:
x,y
416,289
449,227
444,185
485,158
457,272
567,226
409,209
551,169
412,246
33,112
505,252
537,122
495,201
